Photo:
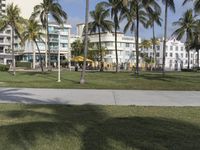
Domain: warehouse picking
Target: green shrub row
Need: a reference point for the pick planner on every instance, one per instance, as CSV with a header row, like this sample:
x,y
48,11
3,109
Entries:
x,y
4,67
23,64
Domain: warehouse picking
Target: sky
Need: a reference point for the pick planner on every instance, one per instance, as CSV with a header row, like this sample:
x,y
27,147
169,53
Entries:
x,y
76,14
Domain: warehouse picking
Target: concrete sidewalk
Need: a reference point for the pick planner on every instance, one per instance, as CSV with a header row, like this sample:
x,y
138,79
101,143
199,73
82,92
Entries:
x,y
99,97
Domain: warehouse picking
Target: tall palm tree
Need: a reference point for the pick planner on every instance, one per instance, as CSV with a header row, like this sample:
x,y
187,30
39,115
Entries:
x,y
114,6
147,6
15,21
168,4
130,15
100,23
82,80
43,11
33,34
186,24
154,18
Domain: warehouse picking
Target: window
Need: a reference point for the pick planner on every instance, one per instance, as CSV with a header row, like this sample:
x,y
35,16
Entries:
x,y
171,54
166,48
171,48
181,55
192,55
186,62
158,48
186,55
127,45
177,56
176,48
166,54
157,54
181,48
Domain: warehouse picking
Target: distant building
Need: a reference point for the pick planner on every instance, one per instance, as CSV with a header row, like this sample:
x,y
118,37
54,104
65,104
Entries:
x,y
59,38
176,55
2,6
125,45
26,6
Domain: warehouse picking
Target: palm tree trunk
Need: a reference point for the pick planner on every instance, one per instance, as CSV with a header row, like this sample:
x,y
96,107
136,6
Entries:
x,y
165,37
46,46
49,53
116,53
188,67
32,45
41,64
198,58
13,53
137,41
100,50
82,80
154,46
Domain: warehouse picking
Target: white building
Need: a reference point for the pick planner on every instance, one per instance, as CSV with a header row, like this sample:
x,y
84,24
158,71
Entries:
x,y
59,38
176,55
26,6
125,46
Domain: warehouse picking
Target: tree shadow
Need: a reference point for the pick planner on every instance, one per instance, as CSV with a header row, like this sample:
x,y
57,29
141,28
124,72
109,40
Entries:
x,y
15,96
142,133
91,128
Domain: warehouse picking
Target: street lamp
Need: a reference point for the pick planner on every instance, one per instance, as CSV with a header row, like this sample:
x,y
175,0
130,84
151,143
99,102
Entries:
x,y
59,55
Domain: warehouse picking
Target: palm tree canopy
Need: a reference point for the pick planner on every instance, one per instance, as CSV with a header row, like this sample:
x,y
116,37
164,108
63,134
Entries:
x,y
33,31
145,44
49,7
154,17
170,4
129,14
99,17
186,25
13,19
196,4
115,7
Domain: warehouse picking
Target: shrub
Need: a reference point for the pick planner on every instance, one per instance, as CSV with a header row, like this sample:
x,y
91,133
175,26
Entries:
x,y
4,67
23,64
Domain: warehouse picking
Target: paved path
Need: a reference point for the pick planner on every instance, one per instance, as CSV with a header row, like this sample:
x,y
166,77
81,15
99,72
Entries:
x,y
102,97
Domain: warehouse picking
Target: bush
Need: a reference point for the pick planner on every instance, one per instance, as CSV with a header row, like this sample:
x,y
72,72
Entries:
x,y
23,64
4,67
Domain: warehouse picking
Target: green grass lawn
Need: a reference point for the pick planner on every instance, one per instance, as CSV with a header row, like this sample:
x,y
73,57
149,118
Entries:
x,y
105,80
60,127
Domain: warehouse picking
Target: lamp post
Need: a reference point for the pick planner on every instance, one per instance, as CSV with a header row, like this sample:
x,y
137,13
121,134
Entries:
x,y
59,56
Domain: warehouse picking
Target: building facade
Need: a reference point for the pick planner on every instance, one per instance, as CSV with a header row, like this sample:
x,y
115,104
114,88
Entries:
x,y
59,39
176,55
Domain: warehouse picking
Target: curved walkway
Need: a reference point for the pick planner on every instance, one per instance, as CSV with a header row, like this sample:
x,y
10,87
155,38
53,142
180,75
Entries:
x,y
99,97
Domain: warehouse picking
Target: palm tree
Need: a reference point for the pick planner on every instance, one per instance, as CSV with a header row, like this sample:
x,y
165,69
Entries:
x,y
33,34
168,4
43,10
15,21
196,4
139,6
100,23
114,6
82,80
186,24
154,18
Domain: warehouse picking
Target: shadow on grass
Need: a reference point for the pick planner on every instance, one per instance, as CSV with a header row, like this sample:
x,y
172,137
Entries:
x,y
15,96
93,129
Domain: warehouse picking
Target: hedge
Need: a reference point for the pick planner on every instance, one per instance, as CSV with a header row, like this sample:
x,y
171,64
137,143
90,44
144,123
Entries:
x,y
23,64
4,67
